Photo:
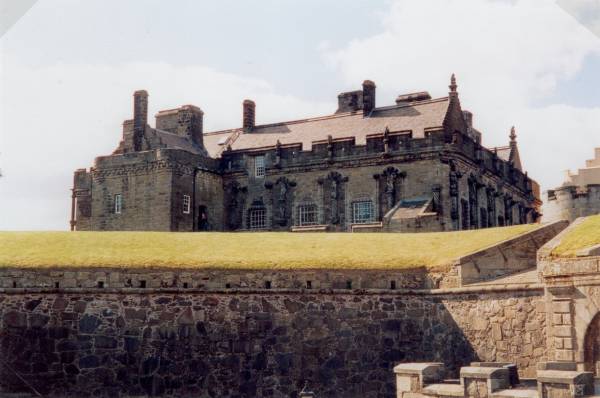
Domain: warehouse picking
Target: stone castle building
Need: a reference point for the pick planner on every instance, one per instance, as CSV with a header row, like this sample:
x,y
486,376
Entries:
x,y
578,196
417,165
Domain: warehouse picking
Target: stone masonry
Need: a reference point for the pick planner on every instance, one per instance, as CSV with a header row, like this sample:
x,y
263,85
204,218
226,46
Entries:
x,y
176,343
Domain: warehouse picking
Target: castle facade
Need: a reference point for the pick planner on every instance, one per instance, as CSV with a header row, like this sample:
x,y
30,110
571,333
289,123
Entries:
x,y
417,165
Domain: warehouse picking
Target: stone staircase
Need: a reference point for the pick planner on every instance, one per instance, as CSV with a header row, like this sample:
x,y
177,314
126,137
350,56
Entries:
x,y
493,380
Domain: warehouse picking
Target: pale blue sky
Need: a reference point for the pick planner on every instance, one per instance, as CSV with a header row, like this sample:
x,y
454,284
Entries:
x,y
68,69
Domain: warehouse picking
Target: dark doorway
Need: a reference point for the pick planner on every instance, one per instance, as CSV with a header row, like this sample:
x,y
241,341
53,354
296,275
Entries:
x,y
202,218
591,350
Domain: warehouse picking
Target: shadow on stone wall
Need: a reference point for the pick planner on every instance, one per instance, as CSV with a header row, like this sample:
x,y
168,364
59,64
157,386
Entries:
x,y
226,345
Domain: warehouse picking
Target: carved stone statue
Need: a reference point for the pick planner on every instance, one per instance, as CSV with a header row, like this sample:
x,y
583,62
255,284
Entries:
x,y
390,190
335,218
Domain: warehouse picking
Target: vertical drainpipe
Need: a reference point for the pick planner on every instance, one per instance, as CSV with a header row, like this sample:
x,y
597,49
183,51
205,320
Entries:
x,y
194,225
73,197
73,222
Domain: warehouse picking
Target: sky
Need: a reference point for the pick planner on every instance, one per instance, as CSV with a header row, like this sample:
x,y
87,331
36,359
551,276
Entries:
x,y
68,70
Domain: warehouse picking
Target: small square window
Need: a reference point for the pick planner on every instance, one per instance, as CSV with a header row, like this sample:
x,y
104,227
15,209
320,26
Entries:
x,y
118,203
186,204
143,284
100,284
259,166
348,284
267,284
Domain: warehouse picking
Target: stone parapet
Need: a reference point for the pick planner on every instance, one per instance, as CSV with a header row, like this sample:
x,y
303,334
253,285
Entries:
x,y
413,377
483,381
511,256
564,384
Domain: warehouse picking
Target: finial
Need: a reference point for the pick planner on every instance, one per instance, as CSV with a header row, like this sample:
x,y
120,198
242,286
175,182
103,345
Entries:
x,y
513,134
453,85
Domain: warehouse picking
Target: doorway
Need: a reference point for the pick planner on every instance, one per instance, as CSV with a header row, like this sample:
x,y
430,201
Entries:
x,y
202,218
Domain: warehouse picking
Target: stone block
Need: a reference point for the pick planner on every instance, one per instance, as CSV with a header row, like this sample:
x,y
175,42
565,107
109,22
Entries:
x,y
563,355
562,331
561,306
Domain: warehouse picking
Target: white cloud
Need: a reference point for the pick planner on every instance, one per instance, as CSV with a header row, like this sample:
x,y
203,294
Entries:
x,y
585,11
508,56
56,119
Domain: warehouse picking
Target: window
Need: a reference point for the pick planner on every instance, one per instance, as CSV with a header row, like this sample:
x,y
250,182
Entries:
x,y
258,219
307,215
186,204
259,166
348,284
362,212
393,285
309,284
118,203
267,284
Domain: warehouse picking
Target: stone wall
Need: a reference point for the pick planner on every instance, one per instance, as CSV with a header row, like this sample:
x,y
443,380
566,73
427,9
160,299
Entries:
x,y
570,202
223,280
151,185
508,257
256,343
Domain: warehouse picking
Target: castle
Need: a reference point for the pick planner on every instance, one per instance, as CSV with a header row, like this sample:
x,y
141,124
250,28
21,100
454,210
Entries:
x,y
578,196
417,165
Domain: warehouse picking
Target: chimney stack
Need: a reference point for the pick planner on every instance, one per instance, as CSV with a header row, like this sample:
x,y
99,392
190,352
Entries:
x,y
368,97
140,117
191,122
249,115
468,118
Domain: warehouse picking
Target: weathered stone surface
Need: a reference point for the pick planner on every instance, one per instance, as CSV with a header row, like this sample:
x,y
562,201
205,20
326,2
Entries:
x,y
249,345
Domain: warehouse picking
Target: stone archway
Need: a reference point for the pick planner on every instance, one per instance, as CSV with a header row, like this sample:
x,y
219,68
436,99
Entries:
x,y
591,346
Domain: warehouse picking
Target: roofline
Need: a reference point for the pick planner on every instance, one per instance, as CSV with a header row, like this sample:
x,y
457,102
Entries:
x,y
333,116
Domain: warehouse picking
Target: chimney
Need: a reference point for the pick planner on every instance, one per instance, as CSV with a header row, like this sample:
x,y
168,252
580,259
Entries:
x,y
468,118
368,97
191,120
350,101
249,115
140,117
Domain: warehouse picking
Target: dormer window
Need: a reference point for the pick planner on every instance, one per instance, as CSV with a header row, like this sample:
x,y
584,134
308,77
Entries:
x,y
259,166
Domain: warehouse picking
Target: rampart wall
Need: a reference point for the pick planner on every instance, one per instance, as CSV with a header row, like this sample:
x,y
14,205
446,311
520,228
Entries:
x,y
178,342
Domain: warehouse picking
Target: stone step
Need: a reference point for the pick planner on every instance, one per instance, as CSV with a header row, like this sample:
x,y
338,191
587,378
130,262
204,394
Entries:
x,y
516,393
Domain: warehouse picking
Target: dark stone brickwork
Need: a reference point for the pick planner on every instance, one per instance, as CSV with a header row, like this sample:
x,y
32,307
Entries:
x,y
255,344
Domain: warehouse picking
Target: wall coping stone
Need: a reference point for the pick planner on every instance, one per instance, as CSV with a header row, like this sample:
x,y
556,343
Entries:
x,y
539,287
483,372
418,368
509,242
563,376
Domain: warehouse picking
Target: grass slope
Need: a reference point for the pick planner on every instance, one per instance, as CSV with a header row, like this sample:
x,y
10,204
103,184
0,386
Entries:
x,y
586,234
268,250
